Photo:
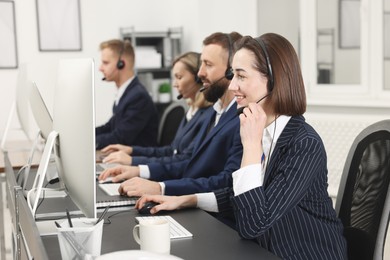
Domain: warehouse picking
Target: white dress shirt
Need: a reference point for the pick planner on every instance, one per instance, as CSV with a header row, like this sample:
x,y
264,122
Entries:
x,y
121,90
191,112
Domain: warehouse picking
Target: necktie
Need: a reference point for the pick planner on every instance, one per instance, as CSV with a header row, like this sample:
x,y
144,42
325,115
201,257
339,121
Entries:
x,y
266,147
263,161
114,107
211,124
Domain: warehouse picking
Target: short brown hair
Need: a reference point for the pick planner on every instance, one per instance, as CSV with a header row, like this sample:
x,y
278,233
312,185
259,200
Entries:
x,y
122,48
225,40
288,96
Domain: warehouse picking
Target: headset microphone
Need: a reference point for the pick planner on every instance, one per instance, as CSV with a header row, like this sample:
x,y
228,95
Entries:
x,y
104,78
241,109
203,88
180,96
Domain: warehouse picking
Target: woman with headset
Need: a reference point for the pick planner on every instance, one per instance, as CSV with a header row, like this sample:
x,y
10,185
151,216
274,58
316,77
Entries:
x,y
184,70
279,195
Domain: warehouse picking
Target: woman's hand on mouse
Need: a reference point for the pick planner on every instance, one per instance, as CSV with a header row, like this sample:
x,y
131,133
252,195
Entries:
x,y
167,202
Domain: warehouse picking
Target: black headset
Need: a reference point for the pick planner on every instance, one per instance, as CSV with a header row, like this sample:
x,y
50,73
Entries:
x,y
197,79
121,63
193,71
229,72
270,84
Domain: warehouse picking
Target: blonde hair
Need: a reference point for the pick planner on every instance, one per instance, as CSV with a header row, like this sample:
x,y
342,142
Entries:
x,y
122,48
191,60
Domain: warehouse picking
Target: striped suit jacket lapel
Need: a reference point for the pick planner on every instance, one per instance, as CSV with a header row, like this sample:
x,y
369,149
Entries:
x,y
288,132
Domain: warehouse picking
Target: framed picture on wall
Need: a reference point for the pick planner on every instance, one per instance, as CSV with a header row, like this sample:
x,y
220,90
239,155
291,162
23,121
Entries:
x,y
349,24
8,46
386,31
59,25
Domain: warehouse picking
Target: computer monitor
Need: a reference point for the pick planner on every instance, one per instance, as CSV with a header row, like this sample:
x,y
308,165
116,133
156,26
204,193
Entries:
x,y
21,109
22,105
73,135
45,124
40,111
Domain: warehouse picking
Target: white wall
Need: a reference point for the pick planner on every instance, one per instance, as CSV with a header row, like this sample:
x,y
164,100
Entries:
x,y
280,16
101,20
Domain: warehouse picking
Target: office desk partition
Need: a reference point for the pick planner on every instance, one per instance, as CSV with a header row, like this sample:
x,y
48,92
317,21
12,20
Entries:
x,y
25,236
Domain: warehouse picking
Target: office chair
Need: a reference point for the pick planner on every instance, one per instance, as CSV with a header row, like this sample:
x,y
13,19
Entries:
x,y
363,200
170,121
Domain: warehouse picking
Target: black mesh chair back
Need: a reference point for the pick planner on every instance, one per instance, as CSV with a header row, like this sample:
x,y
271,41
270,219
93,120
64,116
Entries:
x,y
363,202
170,122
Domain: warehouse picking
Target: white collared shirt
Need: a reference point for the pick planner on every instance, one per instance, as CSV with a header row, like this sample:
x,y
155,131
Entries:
x,y
191,112
251,176
122,89
219,110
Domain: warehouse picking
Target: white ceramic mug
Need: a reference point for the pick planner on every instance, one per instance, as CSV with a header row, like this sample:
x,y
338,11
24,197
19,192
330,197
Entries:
x,y
153,235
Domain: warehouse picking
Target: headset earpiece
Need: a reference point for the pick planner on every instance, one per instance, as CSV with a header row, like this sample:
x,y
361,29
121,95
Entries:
x,y
270,84
197,79
121,63
229,72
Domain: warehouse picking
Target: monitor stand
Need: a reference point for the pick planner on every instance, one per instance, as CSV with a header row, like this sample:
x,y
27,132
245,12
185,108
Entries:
x,y
36,191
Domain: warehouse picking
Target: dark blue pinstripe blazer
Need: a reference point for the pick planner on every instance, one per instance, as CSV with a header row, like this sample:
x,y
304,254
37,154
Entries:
x,y
291,215
182,143
217,154
134,120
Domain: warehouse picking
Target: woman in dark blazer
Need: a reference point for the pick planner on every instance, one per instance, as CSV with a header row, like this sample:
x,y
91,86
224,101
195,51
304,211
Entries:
x,y
279,195
184,71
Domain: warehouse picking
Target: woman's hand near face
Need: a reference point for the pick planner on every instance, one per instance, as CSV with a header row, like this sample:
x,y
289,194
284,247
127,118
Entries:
x,y
252,124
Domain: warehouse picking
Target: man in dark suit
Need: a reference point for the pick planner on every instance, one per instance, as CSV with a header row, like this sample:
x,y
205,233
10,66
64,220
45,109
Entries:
x,y
135,119
217,148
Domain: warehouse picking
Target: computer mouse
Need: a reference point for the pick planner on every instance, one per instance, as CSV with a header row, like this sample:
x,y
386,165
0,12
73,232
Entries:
x,y
145,210
106,181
